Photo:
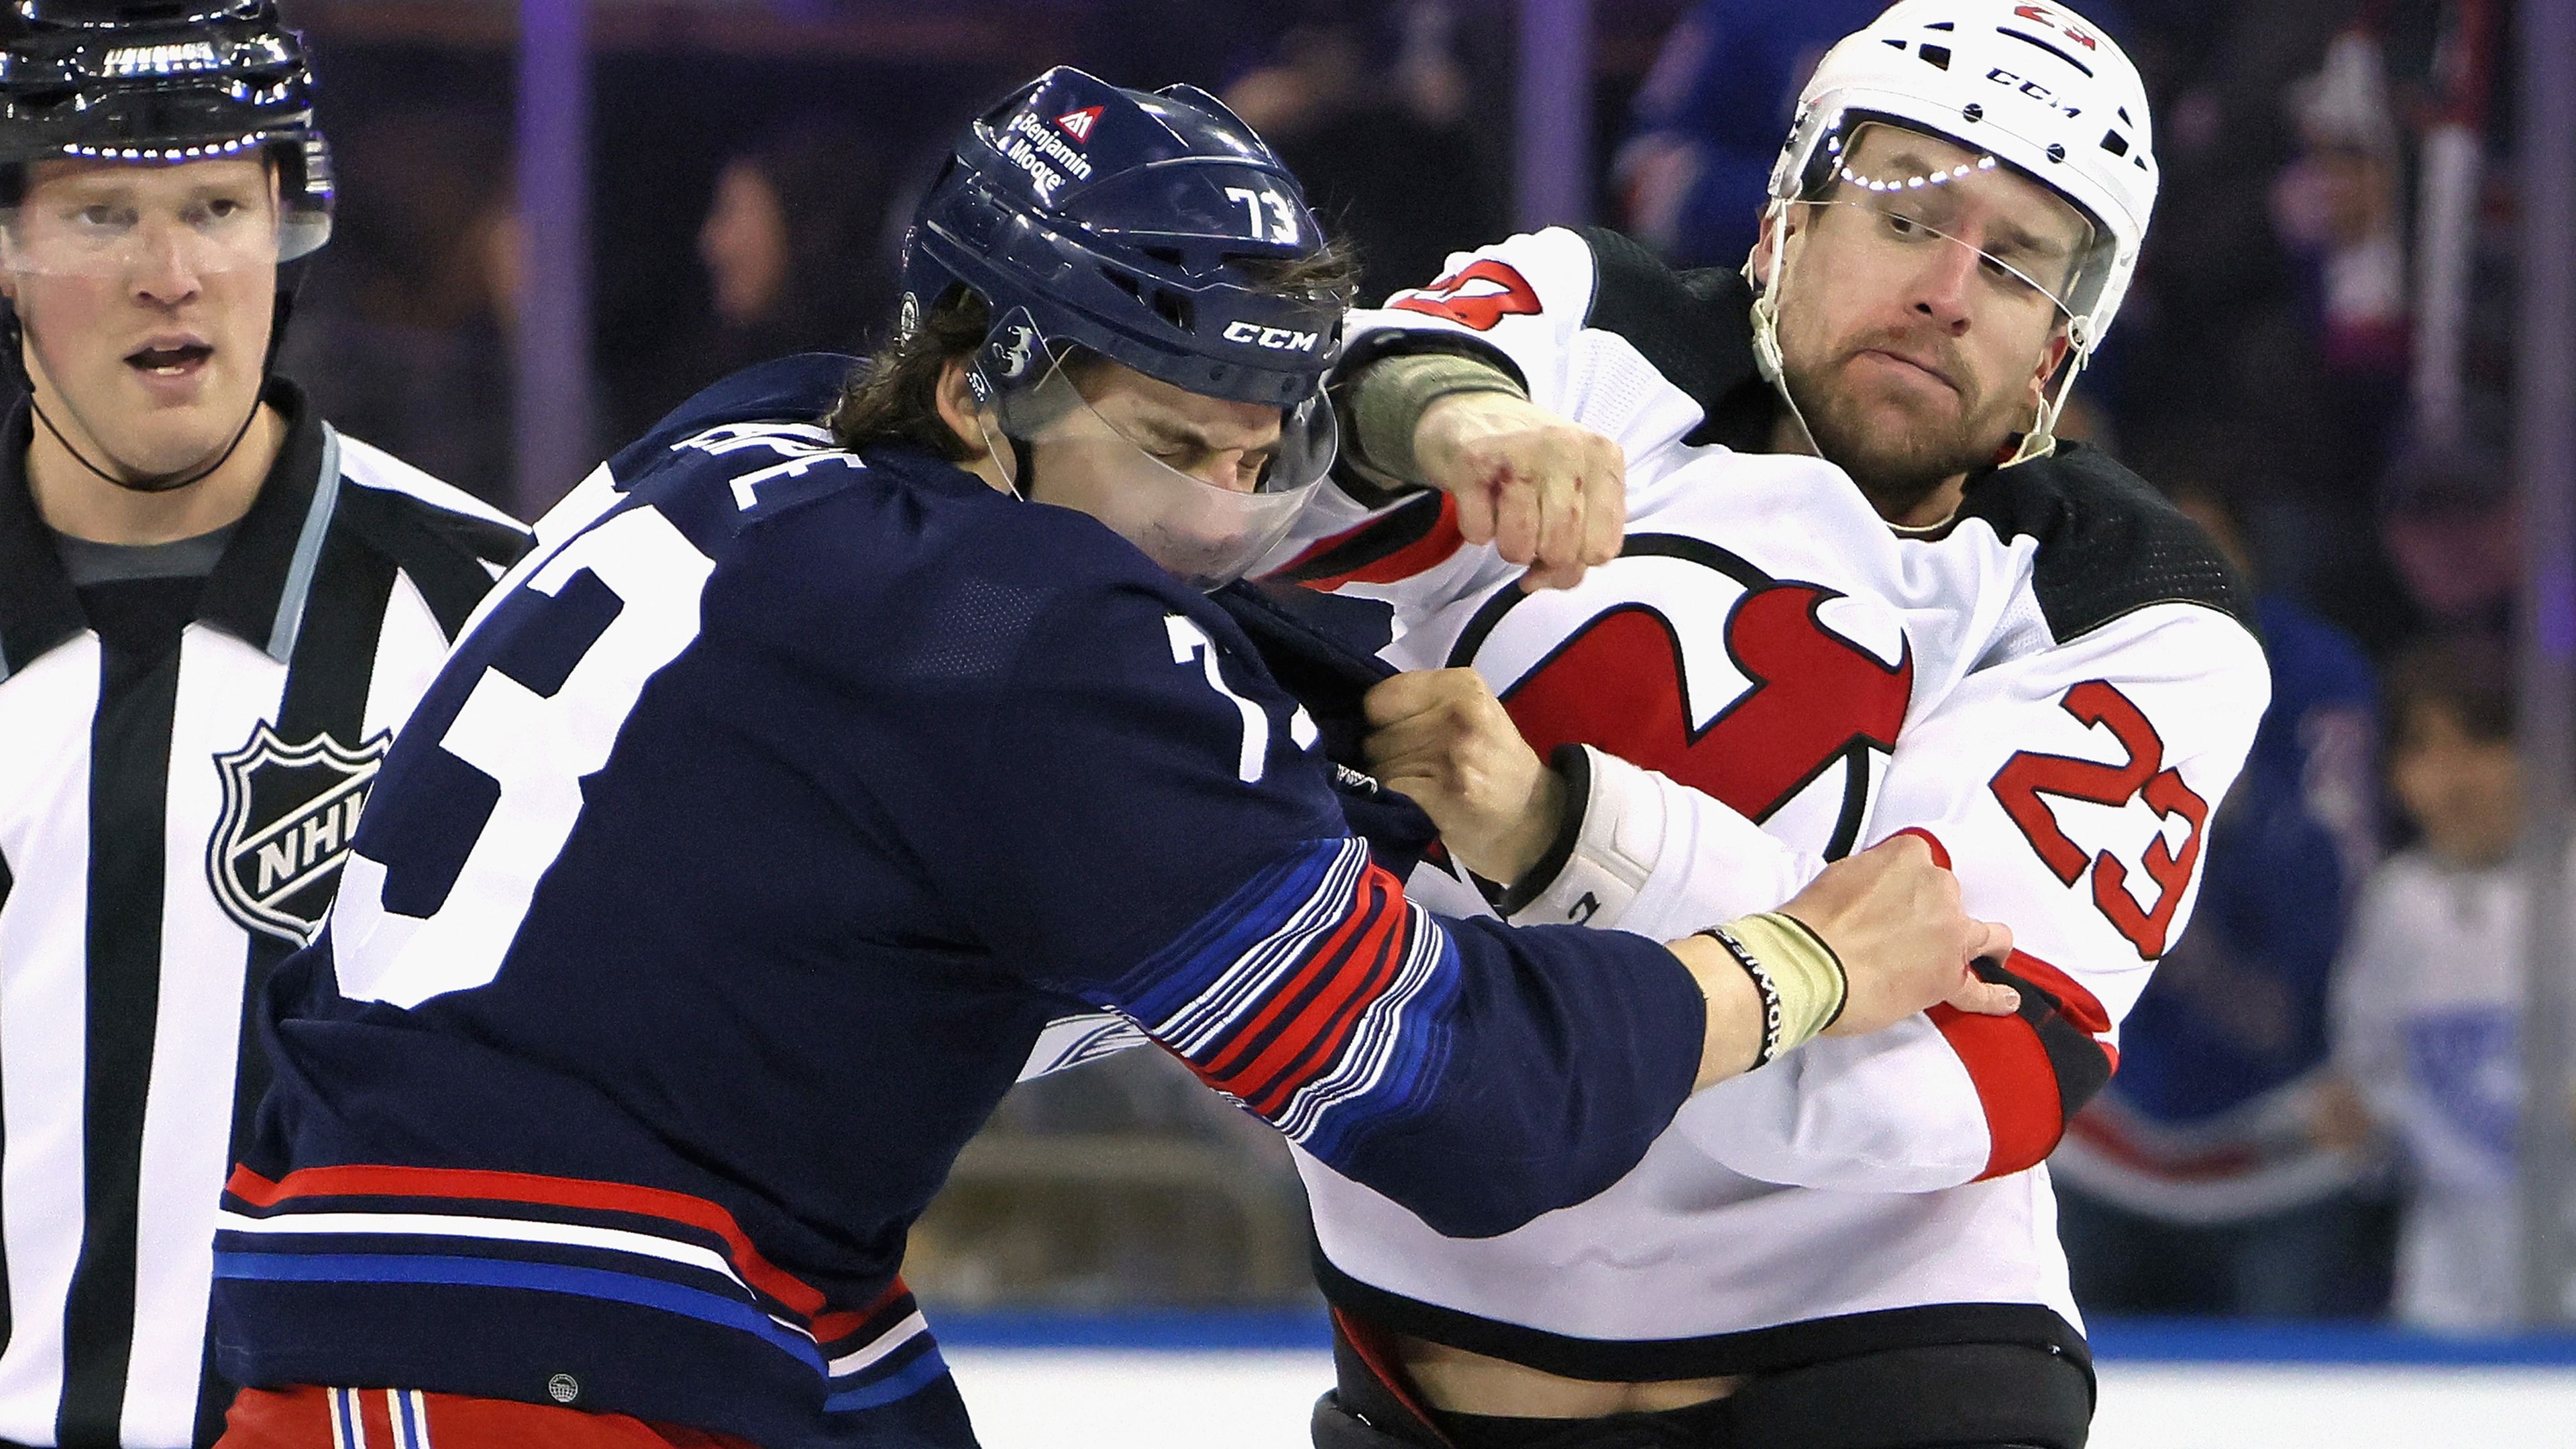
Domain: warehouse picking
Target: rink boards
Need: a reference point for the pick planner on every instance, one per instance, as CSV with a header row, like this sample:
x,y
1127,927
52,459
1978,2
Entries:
x,y
1247,1382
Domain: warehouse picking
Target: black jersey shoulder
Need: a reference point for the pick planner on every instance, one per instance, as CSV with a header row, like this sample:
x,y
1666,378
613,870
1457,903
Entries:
x,y
1695,327
2109,545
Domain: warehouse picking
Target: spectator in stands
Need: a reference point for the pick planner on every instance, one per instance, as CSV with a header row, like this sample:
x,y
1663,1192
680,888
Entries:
x,y
2339,208
1391,157
2219,1171
806,202
2450,524
2430,982
404,339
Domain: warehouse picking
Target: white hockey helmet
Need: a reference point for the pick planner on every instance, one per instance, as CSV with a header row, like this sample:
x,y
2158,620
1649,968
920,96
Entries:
x,y
2037,87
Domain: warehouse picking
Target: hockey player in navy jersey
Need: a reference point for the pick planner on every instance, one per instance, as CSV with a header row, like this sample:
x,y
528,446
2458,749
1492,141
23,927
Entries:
x,y
1961,627
812,766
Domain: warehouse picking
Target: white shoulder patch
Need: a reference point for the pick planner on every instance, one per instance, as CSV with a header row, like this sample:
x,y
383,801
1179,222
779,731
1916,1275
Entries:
x,y
369,466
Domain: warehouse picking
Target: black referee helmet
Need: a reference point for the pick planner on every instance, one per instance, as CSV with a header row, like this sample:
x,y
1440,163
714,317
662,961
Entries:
x,y
166,81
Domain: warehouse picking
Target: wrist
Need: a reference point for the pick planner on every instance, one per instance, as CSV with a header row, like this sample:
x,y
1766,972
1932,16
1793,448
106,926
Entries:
x,y
1536,830
1734,1009
1608,836
1798,978
1393,403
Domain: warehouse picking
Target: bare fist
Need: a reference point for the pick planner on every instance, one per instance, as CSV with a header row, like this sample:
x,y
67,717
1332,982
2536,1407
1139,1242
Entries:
x,y
1893,915
1545,492
1440,737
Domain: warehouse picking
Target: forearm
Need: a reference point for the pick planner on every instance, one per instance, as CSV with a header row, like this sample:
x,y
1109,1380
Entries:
x,y
1385,400
1763,965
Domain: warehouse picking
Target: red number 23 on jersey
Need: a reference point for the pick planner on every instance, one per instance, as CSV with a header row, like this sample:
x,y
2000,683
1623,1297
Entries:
x,y
2028,776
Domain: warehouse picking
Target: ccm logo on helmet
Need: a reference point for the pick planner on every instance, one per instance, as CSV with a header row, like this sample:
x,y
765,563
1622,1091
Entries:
x,y
1277,339
2034,90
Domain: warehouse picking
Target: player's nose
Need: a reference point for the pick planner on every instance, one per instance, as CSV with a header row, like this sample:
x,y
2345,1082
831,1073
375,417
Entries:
x,y
1941,289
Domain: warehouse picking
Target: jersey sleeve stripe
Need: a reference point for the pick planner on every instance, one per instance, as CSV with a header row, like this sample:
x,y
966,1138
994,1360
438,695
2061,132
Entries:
x,y
1387,549
1311,1015
2034,1070
1287,996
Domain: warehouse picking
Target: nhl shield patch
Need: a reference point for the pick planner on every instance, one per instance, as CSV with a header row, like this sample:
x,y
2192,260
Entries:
x,y
289,813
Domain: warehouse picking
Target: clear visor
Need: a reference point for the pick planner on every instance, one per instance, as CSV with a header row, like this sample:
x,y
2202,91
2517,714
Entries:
x,y
1204,486
1969,214
121,221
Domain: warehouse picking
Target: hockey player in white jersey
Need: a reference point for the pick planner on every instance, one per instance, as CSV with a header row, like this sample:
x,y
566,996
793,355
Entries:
x,y
2039,665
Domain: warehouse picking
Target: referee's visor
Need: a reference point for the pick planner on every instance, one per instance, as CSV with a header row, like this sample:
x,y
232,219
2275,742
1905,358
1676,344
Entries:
x,y
111,220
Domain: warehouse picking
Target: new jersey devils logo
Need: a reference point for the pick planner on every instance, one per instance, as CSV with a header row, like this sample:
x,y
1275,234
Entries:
x,y
1809,698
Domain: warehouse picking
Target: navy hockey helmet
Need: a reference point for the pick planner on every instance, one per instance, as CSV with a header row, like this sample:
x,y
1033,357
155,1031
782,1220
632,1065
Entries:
x,y
1156,230
1132,224
167,81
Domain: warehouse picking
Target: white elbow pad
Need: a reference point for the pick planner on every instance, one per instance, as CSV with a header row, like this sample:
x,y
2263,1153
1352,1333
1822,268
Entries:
x,y
1603,853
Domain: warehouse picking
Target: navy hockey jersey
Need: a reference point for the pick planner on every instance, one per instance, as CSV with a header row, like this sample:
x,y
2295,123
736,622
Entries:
x,y
727,876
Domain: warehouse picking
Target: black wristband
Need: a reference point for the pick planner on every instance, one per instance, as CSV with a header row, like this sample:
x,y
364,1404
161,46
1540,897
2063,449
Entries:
x,y
1763,985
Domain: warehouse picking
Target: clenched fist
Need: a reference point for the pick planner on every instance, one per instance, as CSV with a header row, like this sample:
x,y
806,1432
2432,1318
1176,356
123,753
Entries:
x,y
1440,737
1545,492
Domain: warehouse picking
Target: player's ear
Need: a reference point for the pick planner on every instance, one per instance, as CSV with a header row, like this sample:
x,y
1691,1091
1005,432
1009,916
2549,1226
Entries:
x,y
1765,240
2051,358
955,400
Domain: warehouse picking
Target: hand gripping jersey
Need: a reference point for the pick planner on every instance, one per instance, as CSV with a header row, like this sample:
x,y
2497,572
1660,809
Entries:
x,y
2057,691
730,870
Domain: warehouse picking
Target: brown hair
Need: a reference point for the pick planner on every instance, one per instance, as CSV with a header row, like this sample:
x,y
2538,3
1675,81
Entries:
x,y
2470,676
893,397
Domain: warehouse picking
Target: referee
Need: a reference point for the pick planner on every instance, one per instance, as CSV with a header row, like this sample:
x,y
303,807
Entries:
x,y
214,610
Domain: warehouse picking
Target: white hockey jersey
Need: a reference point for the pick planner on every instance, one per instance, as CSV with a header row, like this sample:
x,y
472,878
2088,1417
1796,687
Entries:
x,y
2057,691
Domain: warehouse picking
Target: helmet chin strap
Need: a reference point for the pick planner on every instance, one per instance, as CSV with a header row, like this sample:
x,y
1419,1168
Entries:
x,y
10,339
1022,461
13,333
2041,440
1767,354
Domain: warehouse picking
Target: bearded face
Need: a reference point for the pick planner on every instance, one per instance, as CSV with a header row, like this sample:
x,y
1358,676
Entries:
x,y
1919,324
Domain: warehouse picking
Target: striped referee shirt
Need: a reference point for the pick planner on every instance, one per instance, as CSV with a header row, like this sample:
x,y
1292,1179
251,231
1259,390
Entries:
x,y
182,761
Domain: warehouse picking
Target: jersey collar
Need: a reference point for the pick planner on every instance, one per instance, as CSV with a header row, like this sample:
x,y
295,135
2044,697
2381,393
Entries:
x,y
259,588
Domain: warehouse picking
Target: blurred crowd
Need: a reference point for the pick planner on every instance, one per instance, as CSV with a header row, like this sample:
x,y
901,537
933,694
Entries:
x,y
2315,1113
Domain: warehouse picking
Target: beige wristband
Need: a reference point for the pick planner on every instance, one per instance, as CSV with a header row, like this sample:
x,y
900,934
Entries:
x,y
1805,970
1389,396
